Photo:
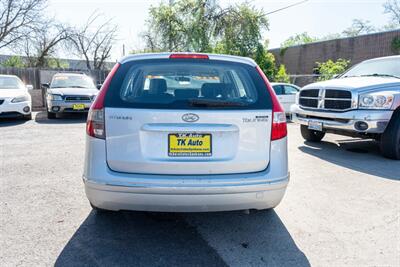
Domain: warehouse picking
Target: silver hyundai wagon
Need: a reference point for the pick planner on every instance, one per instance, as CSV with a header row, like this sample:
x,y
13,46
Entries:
x,y
186,132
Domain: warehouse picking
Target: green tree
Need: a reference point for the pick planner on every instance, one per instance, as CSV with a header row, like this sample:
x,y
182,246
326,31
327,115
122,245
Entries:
x,y
330,68
204,26
14,61
239,30
266,61
298,39
281,75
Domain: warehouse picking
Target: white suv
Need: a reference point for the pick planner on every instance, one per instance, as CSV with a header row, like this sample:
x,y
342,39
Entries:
x,y
186,133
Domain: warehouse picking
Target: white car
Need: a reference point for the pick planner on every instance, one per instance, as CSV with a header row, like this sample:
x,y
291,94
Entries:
x,y
15,100
286,93
186,133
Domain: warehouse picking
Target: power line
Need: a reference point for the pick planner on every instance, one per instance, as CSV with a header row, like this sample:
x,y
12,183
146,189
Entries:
x,y
286,7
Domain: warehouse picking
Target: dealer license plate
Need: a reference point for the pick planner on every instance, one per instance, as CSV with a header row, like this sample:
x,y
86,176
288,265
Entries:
x,y
189,145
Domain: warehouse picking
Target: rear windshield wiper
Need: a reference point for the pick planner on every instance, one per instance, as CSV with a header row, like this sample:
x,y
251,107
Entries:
x,y
78,86
214,103
381,75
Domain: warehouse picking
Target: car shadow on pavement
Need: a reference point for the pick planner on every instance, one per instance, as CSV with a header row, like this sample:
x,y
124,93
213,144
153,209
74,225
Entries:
x,y
69,118
137,239
7,122
256,239
159,239
359,155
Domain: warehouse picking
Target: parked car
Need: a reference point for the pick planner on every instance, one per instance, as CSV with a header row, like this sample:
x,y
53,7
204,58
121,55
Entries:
x,y
15,100
286,93
69,92
186,133
362,102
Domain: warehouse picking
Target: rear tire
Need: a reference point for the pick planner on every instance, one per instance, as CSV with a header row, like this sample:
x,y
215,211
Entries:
x,y
390,139
51,115
311,135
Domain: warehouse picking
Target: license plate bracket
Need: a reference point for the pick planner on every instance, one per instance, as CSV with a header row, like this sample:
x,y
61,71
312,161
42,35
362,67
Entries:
x,y
315,125
189,145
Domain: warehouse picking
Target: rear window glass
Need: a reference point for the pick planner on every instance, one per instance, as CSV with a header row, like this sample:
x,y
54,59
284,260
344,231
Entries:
x,y
187,84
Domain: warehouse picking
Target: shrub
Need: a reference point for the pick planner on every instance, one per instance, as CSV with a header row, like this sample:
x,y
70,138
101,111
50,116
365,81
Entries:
x,y
281,75
330,68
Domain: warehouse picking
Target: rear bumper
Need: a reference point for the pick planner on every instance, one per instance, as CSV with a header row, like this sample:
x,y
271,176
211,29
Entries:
x,y
184,193
262,195
377,120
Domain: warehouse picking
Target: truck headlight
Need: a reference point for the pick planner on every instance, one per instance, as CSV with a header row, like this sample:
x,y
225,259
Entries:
x,y
18,99
55,97
377,100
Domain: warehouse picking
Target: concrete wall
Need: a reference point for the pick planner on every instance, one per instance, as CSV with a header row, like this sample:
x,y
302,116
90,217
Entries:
x,y
301,59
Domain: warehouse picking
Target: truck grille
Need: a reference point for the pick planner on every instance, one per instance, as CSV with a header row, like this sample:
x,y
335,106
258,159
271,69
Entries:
x,y
77,98
326,99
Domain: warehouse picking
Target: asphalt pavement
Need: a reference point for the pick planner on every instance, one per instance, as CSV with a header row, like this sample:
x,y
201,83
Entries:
x,y
341,208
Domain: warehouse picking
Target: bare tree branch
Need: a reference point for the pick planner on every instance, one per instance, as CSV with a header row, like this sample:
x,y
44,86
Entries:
x,y
17,18
94,41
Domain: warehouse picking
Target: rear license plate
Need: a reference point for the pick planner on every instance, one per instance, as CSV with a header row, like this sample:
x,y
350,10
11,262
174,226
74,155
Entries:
x,y
78,106
189,145
315,125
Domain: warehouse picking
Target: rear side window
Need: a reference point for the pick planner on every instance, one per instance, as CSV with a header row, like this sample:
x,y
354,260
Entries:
x,y
187,84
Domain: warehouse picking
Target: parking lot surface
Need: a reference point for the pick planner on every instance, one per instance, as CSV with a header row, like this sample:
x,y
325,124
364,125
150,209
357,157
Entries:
x,y
341,209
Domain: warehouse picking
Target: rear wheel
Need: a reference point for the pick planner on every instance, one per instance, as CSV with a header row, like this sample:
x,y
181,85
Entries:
x,y
390,139
51,115
311,135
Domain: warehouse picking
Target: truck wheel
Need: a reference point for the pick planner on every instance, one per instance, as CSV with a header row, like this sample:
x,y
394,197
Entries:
x,y
390,139
51,115
311,135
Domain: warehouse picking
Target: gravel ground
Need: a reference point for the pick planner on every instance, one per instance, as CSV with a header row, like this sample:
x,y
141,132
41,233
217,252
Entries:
x,y
341,209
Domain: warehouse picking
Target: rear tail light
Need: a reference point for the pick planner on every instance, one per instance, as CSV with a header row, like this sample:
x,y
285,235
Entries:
x,y
279,128
95,125
188,56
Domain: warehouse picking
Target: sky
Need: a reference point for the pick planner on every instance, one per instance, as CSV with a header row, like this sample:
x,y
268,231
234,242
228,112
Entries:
x,y
317,17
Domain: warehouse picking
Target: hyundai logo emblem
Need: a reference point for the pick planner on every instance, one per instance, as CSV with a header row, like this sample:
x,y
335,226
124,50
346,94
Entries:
x,y
190,117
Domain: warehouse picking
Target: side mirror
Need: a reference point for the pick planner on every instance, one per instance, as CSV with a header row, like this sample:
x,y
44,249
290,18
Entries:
x,y
29,87
99,85
45,85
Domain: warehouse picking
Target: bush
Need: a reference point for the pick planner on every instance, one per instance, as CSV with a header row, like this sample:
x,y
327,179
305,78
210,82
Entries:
x,y
281,75
14,61
330,68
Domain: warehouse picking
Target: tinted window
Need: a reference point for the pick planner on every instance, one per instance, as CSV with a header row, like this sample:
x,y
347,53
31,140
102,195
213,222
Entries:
x,y
187,84
72,81
278,89
290,90
10,83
